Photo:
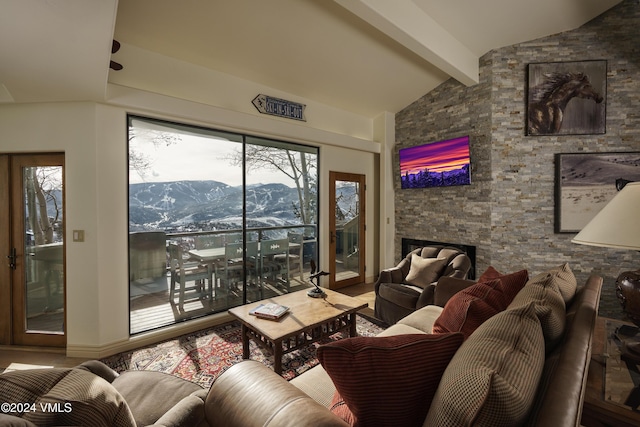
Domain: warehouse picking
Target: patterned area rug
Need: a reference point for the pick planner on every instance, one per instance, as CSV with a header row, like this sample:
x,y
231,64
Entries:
x,y
202,356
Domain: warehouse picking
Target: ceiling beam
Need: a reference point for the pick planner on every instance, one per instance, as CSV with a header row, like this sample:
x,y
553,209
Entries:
x,y
406,23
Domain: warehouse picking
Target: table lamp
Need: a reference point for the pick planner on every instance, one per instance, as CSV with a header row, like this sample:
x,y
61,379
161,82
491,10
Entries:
x,y
617,225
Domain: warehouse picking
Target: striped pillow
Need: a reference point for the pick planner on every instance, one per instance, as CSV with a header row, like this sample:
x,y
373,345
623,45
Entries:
x,y
549,306
564,279
388,381
79,398
492,379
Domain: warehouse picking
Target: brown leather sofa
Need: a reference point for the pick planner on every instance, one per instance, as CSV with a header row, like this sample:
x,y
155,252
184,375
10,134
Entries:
x,y
410,285
250,394
93,394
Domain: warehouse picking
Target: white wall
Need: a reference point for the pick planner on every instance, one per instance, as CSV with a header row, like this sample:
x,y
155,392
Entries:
x,y
68,128
159,74
338,159
93,138
384,132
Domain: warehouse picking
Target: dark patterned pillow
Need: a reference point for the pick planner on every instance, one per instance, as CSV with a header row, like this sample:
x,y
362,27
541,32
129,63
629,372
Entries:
x,y
388,381
339,407
470,308
510,284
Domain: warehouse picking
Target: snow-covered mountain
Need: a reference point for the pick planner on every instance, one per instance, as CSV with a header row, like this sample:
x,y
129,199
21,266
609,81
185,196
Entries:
x,y
208,205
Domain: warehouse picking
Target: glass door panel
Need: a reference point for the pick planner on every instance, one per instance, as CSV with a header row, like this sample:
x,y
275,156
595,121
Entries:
x,y
346,194
38,280
185,208
280,205
43,247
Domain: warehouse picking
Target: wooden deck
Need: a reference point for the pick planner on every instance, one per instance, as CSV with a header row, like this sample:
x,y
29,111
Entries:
x,y
150,307
151,310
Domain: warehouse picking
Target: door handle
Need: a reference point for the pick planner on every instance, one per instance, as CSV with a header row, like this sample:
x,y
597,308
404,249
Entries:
x,y
332,236
12,259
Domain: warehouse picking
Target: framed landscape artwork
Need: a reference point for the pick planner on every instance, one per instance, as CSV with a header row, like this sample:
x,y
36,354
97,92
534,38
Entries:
x,y
567,98
586,182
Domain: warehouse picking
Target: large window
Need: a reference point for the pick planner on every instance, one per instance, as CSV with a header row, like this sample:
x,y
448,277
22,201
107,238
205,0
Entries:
x,y
216,219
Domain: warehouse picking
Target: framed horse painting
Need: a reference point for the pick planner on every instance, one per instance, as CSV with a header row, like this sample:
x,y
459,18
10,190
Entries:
x,y
567,98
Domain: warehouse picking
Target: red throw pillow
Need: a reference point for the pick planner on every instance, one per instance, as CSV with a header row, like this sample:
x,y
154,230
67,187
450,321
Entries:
x,y
388,381
469,308
510,284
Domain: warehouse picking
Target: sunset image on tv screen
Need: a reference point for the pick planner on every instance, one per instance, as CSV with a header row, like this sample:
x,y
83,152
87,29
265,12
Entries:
x,y
438,164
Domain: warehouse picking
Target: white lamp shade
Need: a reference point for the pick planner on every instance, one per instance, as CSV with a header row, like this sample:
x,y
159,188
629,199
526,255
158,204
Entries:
x,y
617,225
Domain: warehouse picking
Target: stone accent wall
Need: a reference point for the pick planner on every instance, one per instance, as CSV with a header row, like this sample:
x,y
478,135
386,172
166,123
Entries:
x,y
508,210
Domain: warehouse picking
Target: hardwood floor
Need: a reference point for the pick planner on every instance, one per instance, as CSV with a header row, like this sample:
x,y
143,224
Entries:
x,y
12,358
30,357
363,292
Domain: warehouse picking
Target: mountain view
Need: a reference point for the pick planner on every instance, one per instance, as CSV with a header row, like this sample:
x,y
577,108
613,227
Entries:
x,y
208,205
426,178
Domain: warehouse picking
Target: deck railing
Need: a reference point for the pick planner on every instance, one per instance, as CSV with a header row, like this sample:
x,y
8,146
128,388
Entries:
x,y
148,257
261,233
150,275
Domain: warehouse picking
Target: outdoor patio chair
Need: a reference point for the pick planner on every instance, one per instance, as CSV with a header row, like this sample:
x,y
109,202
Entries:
x,y
229,271
184,272
209,241
254,280
294,256
233,238
274,271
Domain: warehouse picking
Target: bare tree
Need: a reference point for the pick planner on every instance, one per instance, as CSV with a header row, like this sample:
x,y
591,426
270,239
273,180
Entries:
x,y
140,162
293,164
43,187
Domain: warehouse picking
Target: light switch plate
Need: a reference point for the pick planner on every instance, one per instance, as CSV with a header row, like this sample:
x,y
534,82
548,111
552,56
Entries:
x,y
78,235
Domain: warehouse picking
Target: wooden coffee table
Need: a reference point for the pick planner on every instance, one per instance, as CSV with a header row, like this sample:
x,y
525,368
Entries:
x,y
611,382
308,320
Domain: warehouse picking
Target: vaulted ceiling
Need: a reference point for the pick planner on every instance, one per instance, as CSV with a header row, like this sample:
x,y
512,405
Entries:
x,y
361,56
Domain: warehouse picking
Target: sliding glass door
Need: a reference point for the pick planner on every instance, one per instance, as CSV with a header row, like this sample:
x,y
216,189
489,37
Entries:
x,y
281,212
216,219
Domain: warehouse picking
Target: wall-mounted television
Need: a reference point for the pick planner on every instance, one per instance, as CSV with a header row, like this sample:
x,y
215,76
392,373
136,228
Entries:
x,y
437,164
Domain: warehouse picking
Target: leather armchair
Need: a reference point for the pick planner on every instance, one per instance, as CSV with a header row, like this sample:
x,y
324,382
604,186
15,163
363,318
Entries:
x,y
96,395
410,285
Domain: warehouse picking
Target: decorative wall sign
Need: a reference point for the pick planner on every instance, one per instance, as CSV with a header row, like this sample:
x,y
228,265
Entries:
x,y
279,107
567,98
586,182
